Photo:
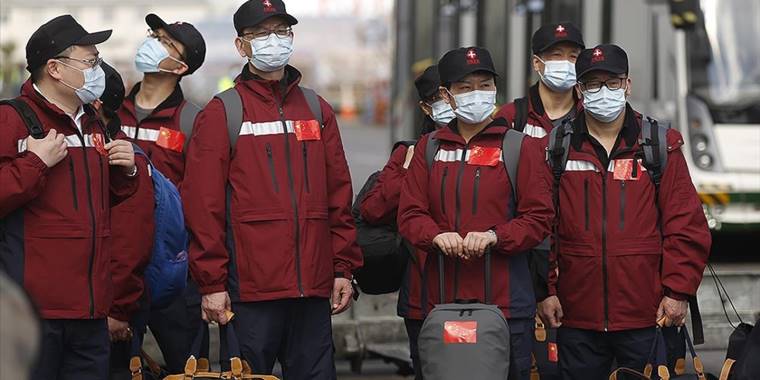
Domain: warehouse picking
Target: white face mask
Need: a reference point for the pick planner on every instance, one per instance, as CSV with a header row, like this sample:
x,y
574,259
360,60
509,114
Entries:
x,y
605,105
475,106
442,113
558,75
150,54
271,54
93,86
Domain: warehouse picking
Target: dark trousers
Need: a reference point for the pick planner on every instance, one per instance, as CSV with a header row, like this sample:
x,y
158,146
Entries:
x,y
589,355
521,347
413,327
297,332
73,349
175,328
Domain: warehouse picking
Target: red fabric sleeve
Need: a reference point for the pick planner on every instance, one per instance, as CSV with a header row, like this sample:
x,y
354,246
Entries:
x,y
347,256
507,111
132,231
535,210
203,197
414,221
686,237
380,204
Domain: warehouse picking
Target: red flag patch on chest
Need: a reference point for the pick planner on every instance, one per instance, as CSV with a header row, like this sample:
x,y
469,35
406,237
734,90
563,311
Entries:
x,y
307,130
171,139
484,156
99,142
623,170
460,332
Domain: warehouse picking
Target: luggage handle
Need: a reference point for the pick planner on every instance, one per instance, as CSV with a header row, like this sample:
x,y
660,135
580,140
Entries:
x,y
486,271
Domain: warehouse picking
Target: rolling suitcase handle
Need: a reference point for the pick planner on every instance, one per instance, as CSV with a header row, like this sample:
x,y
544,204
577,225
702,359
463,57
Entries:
x,y
486,272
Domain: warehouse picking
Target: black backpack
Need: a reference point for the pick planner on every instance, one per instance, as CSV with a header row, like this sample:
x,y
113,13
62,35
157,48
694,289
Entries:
x,y
33,125
521,114
386,253
653,142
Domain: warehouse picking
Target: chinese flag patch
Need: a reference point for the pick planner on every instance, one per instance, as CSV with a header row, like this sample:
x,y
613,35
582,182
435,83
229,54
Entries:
x,y
307,130
171,139
99,142
460,332
553,353
623,170
484,156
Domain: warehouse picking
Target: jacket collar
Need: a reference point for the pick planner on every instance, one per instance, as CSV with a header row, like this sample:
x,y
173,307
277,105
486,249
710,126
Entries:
x,y
266,88
450,133
28,90
537,106
164,110
629,133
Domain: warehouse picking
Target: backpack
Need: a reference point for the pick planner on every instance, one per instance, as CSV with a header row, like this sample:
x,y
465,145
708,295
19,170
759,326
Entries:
x,y
186,120
654,147
33,124
385,252
521,114
233,109
166,273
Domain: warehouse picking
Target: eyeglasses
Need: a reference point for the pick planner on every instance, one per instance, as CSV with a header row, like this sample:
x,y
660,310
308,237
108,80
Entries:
x,y
281,32
166,41
595,86
95,62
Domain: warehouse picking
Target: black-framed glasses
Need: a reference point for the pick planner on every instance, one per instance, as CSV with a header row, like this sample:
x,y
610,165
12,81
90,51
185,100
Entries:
x,y
281,32
95,62
594,86
166,41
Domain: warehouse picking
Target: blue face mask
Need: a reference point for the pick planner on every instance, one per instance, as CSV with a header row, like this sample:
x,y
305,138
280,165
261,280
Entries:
x,y
150,54
442,113
271,54
475,106
605,105
94,83
558,75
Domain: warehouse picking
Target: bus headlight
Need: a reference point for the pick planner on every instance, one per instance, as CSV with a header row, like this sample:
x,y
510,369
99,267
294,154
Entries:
x,y
700,143
704,161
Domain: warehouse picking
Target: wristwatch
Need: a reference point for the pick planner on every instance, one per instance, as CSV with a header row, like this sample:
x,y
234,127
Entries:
x,y
492,232
133,173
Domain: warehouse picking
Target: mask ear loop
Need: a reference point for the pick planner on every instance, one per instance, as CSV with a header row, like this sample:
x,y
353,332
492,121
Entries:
x,y
84,79
175,60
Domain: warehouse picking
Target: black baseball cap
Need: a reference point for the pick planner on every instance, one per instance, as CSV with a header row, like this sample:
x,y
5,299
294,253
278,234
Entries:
x,y
55,36
458,63
187,35
551,34
113,95
608,57
253,12
428,82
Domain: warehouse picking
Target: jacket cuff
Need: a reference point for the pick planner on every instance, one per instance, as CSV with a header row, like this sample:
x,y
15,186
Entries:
x,y
675,295
36,161
213,288
120,314
346,275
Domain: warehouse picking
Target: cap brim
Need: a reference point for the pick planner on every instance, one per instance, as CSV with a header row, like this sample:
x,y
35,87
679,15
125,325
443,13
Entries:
x,y
582,46
475,71
154,22
607,68
290,19
94,38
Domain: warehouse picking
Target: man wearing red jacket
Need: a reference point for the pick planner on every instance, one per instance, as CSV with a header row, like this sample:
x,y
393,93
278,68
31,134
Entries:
x,y
56,197
273,238
463,204
628,254
157,117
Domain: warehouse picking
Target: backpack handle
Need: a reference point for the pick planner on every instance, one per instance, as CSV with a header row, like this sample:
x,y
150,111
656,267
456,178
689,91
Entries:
x,y
486,276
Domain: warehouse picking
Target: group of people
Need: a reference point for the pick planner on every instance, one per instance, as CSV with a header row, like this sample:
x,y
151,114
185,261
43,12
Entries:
x,y
267,196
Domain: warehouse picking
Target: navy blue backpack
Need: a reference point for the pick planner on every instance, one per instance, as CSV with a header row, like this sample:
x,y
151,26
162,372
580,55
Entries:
x,y
166,274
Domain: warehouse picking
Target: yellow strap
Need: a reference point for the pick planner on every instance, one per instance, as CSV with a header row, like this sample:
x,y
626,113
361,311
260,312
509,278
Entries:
x,y
726,370
540,330
648,371
699,367
680,368
663,372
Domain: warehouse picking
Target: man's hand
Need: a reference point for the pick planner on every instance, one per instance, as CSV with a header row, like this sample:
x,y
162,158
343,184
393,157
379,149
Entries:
x,y
674,310
341,295
409,156
119,330
214,307
51,149
450,243
121,153
475,243
550,311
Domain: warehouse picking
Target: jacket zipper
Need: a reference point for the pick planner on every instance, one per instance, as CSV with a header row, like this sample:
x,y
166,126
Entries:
x,y
293,199
270,157
457,212
622,205
73,184
102,184
306,167
475,192
604,249
443,190
585,201
91,261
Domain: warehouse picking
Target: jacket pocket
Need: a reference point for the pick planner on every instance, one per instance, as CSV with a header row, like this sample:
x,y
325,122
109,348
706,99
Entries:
x,y
103,188
306,166
580,282
72,175
443,190
475,189
270,159
585,203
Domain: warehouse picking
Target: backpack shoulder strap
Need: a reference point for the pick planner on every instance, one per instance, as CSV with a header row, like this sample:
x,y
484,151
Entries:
x,y
431,149
312,99
559,147
33,125
233,109
521,114
654,144
187,119
511,145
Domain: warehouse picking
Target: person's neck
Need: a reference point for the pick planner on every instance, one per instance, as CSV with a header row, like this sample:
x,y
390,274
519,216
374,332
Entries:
x,y
556,104
154,89
66,102
276,75
468,131
606,133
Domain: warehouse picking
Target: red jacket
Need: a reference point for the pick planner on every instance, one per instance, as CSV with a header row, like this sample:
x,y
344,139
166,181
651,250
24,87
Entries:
x,y
460,197
56,221
380,206
287,230
538,124
614,264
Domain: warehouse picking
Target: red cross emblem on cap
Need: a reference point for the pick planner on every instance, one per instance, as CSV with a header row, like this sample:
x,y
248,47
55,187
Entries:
x,y
472,57
268,6
560,31
597,56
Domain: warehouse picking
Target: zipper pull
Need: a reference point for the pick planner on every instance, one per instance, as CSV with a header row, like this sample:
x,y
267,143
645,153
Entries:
x,y
269,150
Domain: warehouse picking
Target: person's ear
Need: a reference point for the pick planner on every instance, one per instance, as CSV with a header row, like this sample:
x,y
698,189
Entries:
x,y
54,69
426,109
628,87
538,66
578,91
242,47
447,97
183,67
